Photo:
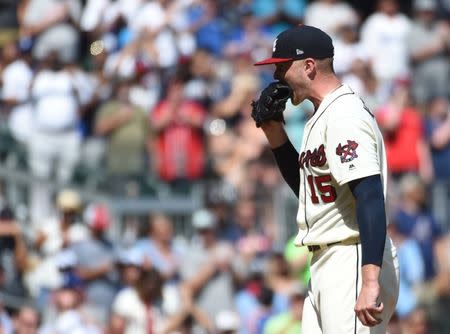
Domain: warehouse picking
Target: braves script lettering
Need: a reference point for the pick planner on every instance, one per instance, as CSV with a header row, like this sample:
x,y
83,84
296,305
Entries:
x,y
316,158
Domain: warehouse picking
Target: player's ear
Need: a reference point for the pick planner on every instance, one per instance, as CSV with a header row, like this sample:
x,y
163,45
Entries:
x,y
310,67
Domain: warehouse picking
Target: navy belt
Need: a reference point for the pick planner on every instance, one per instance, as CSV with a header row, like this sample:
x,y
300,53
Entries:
x,y
315,248
351,241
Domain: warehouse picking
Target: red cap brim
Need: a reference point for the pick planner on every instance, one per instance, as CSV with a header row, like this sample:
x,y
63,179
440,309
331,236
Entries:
x,y
272,61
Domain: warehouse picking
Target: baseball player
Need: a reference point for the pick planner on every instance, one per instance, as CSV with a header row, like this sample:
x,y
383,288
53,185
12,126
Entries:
x,y
340,180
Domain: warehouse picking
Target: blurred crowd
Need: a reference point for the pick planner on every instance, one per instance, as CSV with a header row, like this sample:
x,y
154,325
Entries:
x,y
131,95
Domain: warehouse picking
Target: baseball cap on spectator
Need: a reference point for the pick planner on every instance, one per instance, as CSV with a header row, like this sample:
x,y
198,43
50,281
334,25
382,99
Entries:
x,y
300,43
66,259
70,280
130,257
203,219
6,213
97,216
68,200
227,321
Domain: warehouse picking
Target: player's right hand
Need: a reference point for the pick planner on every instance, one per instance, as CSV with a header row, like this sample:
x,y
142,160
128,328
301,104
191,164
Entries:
x,y
368,309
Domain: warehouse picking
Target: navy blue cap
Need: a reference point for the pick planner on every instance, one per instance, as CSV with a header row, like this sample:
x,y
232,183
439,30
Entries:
x,y
300,43
6,213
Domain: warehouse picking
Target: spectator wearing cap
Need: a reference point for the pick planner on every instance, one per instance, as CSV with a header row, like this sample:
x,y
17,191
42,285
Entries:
x,y
56,233
428,43
208,271
13,256
61,230
68,313
97,217
130,264
288,322
95,262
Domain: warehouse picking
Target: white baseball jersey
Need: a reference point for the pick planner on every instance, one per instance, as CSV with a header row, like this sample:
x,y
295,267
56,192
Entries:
x,y
341,143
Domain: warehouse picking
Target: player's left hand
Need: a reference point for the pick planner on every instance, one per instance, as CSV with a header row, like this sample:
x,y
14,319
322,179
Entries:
x,y
271,103
368,308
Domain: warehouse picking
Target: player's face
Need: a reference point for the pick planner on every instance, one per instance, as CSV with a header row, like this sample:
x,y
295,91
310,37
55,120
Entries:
x,y
293,74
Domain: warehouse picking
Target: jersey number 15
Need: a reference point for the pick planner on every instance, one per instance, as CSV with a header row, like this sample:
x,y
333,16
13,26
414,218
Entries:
x,y
326,190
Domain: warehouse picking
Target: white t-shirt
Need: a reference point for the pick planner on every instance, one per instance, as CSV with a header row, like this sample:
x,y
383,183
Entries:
x,y
17,78
345,54
384,39
341,143
153,16
70,322
329,17
92,15
56,107
54,241
129,306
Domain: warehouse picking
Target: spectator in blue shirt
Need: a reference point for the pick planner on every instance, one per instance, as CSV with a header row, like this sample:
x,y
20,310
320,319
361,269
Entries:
x,y
158,248
412,269
437,126
279,15
414,220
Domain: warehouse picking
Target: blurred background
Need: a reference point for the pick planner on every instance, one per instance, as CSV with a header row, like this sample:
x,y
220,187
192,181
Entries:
x,y
136,194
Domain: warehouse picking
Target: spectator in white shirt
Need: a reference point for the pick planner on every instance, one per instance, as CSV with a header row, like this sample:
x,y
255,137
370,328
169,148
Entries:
x,y
347,49
383,35
55,143
330,15
428,44
16,77
52,25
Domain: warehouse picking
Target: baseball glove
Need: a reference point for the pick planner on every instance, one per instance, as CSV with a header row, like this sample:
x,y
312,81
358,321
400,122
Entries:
x,y
271,103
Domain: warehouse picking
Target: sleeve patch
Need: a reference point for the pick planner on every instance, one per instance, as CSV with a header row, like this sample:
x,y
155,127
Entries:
x,y
347,152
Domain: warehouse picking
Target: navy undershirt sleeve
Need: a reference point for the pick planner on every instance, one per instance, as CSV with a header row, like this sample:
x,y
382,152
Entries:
x,y
371,216
286,157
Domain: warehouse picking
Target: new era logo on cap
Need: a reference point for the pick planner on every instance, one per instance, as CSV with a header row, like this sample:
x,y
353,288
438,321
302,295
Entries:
x,y
300,43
